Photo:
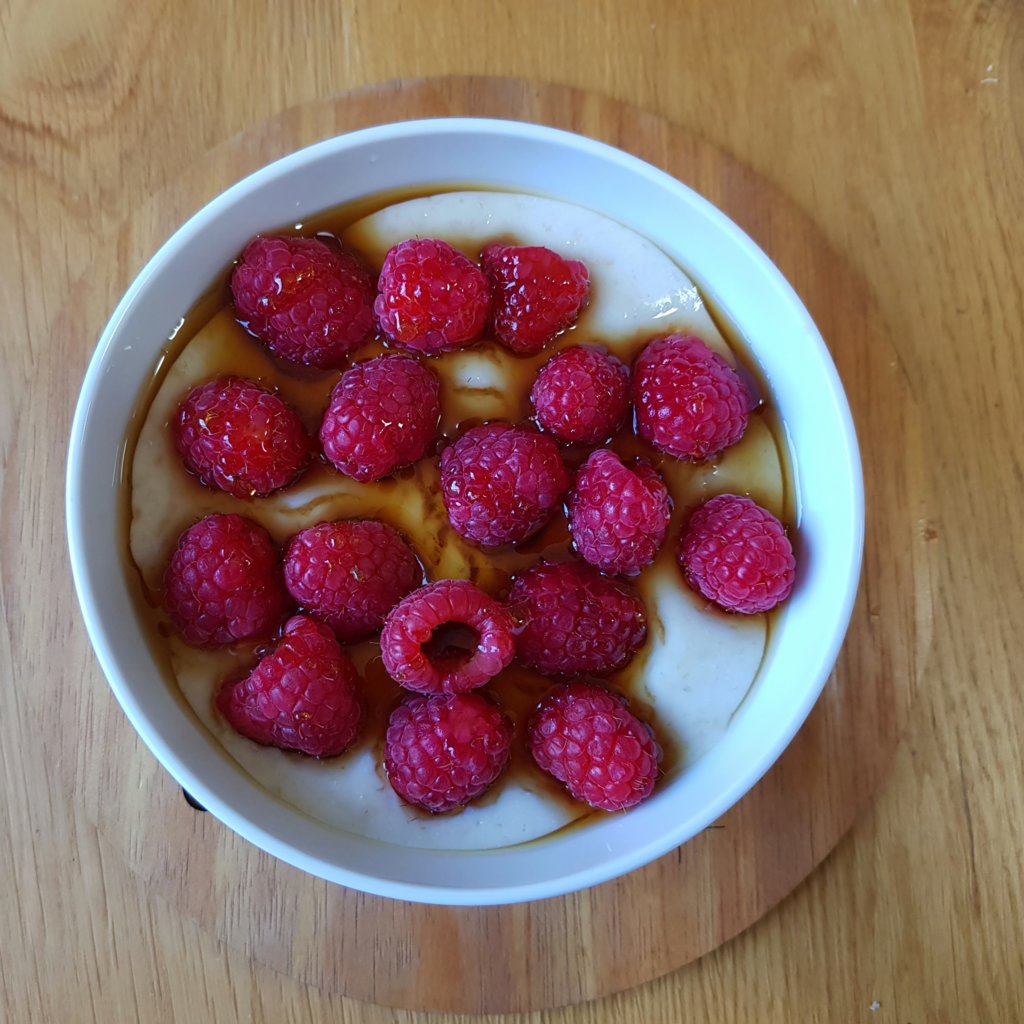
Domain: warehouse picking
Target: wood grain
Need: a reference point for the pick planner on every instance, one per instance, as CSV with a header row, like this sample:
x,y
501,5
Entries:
x,y
897,125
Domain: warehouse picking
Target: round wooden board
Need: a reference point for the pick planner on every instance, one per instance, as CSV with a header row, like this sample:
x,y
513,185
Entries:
x,y
622,933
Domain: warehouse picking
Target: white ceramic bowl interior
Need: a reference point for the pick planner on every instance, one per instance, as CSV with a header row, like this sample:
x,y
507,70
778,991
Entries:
x,y
745,284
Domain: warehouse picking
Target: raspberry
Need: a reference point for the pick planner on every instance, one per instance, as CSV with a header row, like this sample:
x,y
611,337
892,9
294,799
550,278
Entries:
x,y
308,302
383,415
224,583
737,555
432,298
350,574
618,515
240,437
587,738
537,294
443,752
689,402
501,484
576,620
447,637
582,395
303,695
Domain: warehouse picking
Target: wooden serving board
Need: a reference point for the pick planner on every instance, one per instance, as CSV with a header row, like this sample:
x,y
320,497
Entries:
x,y
627,931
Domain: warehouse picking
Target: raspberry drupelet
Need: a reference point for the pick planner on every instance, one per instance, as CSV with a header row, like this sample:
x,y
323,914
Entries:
x,y
588,739
574,620
737,555
350,574
383,415
441,752
240,438
303,695
431,298
223,583
618,513
310,303
537,294
501,483
582,395
690,403
447,637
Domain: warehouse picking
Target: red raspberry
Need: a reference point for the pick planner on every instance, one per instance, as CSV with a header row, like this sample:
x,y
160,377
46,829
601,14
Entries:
x,y
618,515
350,574
501,484
240,437
432,299
448,637
224,583
537,294
383,415
582,395
302,696
308,302
689,401
443,752
737,555
576,620
587,738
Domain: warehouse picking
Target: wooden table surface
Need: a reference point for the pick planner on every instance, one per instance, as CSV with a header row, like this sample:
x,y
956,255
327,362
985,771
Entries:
x,y
898,127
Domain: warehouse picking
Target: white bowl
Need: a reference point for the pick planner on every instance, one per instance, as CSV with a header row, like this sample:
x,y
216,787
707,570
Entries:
x,y
728,265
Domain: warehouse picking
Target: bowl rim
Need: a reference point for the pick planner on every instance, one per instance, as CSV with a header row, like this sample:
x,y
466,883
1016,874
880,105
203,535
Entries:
x,y
571,881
